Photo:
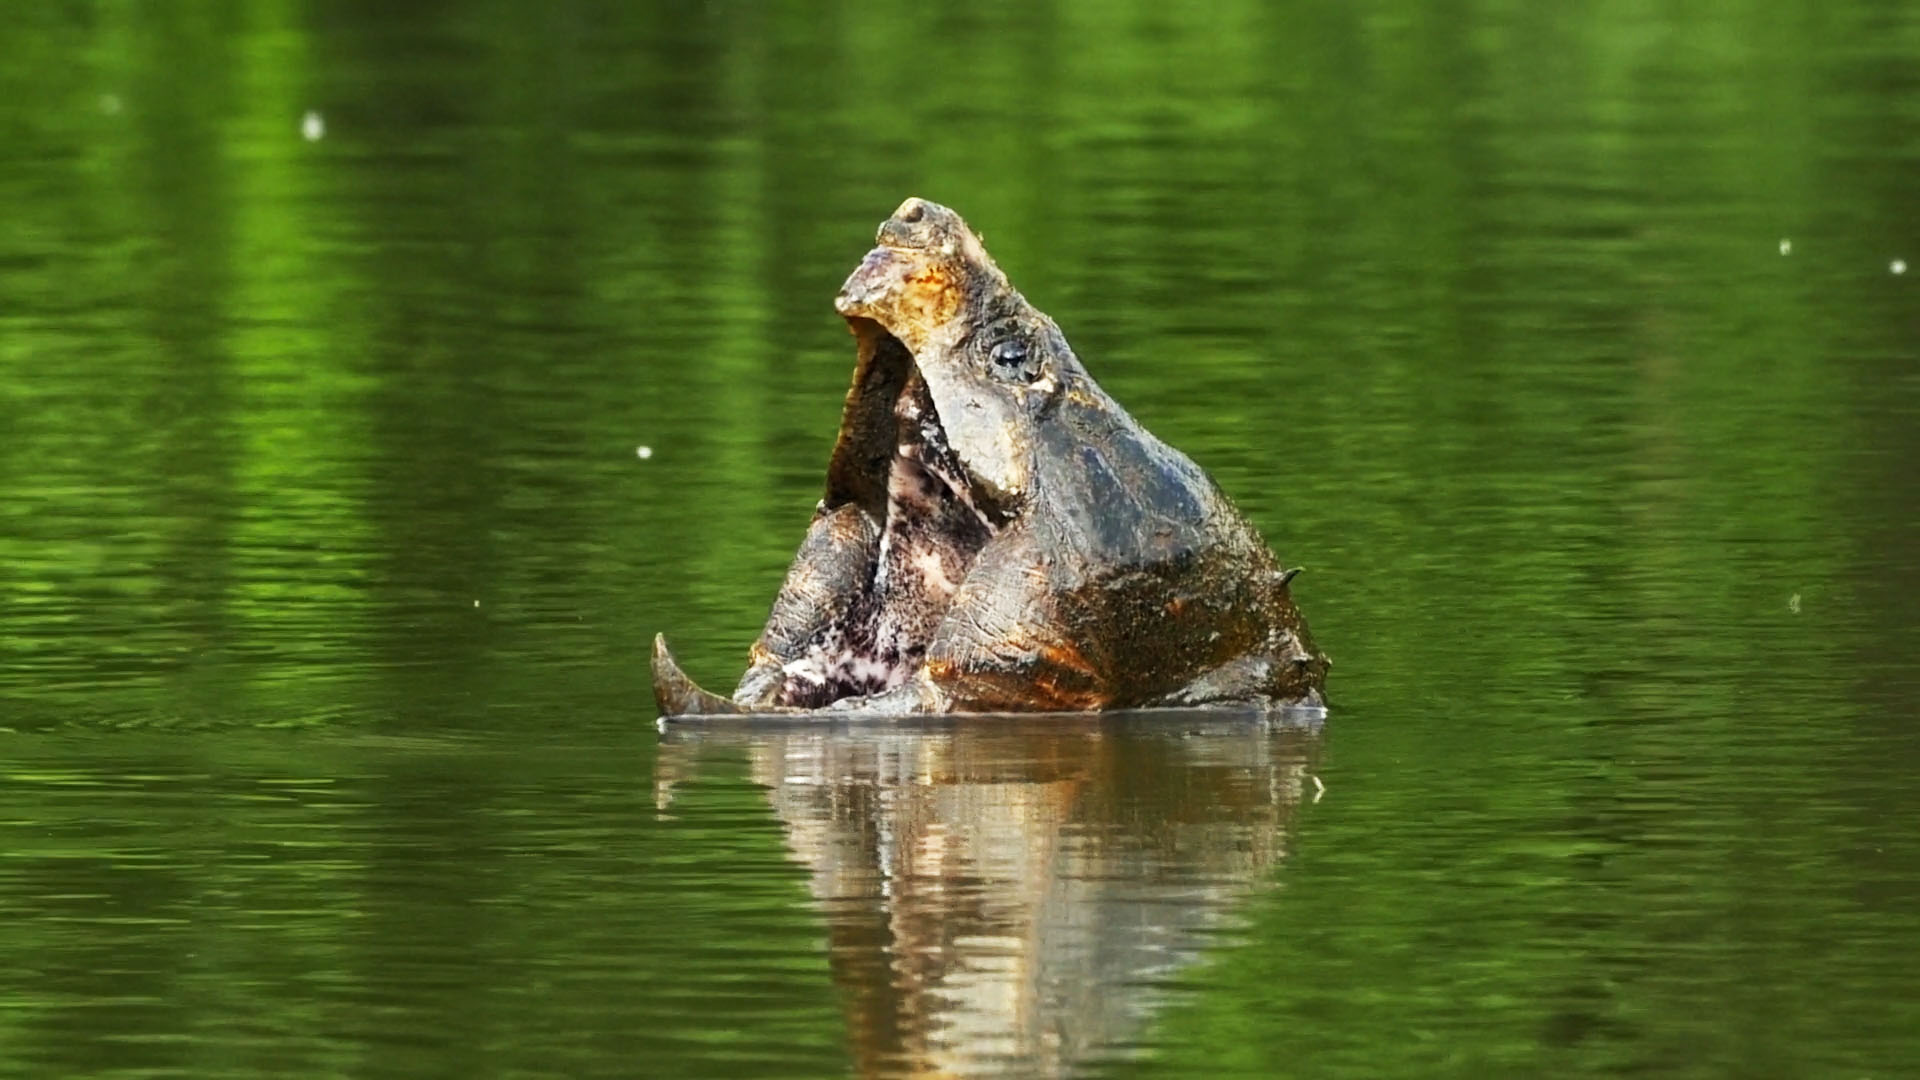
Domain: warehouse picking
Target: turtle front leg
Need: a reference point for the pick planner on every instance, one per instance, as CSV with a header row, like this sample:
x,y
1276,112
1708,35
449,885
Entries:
x,y
831,570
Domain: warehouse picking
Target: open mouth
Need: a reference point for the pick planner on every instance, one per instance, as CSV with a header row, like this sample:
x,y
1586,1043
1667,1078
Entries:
x,y
997,533
895,461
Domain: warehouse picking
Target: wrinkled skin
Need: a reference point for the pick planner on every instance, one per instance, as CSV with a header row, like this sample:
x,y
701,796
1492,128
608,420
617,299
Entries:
x,y
998,535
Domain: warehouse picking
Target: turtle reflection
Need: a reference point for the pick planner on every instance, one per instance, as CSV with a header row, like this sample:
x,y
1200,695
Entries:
x,y
1007,894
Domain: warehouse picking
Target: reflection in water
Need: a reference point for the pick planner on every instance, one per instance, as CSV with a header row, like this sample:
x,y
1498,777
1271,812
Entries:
x,y
1010,892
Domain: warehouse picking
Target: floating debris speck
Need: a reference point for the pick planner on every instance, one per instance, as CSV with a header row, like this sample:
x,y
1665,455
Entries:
x,y
1898,266
313,127
644,452
1786,246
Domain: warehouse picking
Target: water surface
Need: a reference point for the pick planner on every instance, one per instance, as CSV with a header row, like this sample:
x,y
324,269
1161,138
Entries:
x,y
1561,344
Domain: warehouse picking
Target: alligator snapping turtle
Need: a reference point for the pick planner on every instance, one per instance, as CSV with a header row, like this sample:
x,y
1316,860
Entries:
x,y
998,535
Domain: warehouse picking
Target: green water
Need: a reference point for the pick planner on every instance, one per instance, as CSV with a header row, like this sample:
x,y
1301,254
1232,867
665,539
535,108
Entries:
x,y
1561,343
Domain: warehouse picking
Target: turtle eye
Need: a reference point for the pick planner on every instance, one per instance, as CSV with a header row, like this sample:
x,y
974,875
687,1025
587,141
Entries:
x,y
1012,361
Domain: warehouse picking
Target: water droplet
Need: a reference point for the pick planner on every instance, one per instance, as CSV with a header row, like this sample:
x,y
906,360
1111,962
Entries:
x,y
1793,603
644,452
313,127
1898,266
1786,246
110,104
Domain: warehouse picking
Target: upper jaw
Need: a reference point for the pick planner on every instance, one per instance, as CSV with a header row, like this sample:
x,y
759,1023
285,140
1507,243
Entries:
x,y
914,294
919,275
871,282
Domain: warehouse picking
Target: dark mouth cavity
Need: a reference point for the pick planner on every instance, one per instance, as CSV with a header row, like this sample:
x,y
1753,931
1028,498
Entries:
x,y
893,458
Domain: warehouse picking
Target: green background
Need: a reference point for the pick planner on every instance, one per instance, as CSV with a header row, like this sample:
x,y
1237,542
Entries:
x,y
328,563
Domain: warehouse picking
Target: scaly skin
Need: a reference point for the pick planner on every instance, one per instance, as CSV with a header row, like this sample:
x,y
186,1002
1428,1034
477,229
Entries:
x,y
1117,574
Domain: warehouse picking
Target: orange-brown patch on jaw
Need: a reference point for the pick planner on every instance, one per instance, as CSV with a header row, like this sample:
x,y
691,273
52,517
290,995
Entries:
x,y
929,297
910,294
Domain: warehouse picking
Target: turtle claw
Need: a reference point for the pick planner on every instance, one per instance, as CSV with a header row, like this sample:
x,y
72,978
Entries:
x,y
679,695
